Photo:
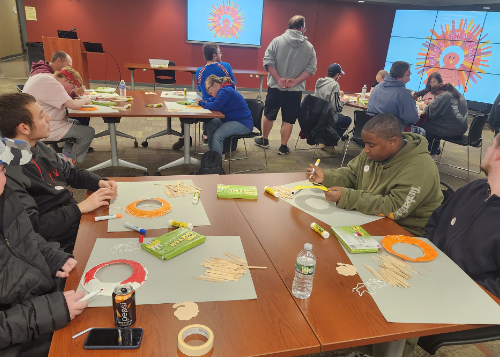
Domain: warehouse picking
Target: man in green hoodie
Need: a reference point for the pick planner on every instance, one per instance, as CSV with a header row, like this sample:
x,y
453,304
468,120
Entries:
x,y
394,176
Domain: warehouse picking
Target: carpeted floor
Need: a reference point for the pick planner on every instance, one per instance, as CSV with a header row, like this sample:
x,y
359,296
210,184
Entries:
x,y
159,152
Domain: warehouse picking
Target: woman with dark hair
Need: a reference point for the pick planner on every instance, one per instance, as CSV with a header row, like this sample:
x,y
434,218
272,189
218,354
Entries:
x,y
237,116
426,94
447,115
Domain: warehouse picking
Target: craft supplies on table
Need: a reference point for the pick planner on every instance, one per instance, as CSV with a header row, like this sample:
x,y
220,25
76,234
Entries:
x,y
313,202
237,191
318,229
223,269
182,208
355,239
178,94
179,273
271,191
441,293
171,244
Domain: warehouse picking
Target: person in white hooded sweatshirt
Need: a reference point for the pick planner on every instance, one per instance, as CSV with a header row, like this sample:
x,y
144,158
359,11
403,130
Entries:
x,y
290,59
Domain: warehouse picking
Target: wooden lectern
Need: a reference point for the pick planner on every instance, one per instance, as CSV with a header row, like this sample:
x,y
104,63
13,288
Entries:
x,y
73,48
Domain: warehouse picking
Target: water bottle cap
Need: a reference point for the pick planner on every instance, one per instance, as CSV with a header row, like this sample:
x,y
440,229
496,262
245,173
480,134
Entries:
x,y
308,246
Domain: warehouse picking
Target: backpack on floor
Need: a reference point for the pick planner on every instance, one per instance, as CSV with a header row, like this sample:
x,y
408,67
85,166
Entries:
x,y
211,163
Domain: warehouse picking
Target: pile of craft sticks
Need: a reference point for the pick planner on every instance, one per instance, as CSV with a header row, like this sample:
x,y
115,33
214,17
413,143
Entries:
x,y
284,192
392,270
222,270
180,188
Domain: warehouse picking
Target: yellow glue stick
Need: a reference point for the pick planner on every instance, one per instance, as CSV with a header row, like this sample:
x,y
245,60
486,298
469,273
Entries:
x,y
271,191
185,92
177,224
196,197
127,106
320,230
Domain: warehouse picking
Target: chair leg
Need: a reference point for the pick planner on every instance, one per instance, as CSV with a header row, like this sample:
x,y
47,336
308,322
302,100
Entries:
x,y
154,86
346,145
468,168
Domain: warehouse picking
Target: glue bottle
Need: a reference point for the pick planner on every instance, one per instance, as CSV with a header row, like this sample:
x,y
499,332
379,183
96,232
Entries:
x,y
123,89
363,92
305,268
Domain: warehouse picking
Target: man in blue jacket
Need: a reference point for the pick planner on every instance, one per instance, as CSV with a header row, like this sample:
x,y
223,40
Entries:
x,y
392,96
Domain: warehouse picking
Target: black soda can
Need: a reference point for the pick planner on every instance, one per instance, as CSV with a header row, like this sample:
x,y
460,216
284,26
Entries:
x,y
124,305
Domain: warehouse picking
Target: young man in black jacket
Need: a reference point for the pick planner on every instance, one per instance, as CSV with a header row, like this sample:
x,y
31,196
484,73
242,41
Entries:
x,y
31,308
465,227
42,184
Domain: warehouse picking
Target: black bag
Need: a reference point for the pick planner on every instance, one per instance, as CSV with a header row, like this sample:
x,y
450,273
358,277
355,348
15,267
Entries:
x,y
211,163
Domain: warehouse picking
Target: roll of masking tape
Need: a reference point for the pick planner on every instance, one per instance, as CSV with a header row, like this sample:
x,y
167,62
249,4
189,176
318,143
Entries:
x,y
190,330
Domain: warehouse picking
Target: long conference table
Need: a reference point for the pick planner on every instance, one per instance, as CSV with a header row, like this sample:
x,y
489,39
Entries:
x,y
139,109
276,323
133,66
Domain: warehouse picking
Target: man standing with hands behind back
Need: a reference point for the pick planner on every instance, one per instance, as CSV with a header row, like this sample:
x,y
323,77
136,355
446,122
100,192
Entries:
x,y
290,59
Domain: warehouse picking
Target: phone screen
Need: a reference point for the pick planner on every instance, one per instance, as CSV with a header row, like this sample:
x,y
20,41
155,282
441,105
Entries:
x,y
114,338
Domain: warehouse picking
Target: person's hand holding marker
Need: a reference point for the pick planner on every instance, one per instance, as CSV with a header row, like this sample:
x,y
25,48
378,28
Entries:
x,y
315,174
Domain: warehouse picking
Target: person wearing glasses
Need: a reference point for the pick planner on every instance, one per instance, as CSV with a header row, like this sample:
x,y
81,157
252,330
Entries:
x,y
215,66
51,91
237,116
391,96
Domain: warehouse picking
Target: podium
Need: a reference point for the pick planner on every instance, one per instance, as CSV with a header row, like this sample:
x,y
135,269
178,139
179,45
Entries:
x,y
72,47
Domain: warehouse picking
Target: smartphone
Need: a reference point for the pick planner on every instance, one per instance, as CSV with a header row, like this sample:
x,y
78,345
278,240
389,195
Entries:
x,y
113,338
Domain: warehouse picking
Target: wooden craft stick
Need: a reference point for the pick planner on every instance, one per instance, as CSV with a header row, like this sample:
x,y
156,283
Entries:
x,y
236,258
373,272
209,279
253,267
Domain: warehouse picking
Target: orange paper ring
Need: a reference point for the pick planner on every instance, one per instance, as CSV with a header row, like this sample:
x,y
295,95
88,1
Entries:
x,y
132,209
429,252
87,109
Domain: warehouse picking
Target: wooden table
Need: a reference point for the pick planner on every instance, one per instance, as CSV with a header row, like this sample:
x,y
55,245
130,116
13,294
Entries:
x,y
339,317
133,66
139,109
186,119
362,106
271,325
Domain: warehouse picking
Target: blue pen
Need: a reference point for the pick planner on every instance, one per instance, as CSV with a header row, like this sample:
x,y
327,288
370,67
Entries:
x,y
135,228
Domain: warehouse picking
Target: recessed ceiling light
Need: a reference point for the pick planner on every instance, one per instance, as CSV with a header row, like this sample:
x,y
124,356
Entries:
x,y
360,0
486,7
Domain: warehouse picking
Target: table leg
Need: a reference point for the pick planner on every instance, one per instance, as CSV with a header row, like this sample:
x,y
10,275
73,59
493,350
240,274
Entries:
x,y
260,88
114,161
186,159
192,81
132,78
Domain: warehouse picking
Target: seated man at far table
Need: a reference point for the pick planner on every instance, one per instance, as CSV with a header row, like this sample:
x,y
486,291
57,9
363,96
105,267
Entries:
x,y
42,184
394,176
392,96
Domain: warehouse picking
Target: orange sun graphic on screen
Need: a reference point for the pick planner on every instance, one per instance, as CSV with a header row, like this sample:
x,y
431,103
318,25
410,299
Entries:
x,y
226,20
458,54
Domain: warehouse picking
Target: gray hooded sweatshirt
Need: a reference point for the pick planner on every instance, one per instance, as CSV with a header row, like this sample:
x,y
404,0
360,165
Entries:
x,y
291,54
329,89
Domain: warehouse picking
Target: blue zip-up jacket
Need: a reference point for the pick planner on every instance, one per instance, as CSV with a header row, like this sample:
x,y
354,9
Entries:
x,y
465,228
391,96
232,104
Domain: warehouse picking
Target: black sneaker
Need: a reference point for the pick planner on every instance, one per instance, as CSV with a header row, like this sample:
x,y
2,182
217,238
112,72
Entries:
x,y
263,143
180,143
283,150
91,149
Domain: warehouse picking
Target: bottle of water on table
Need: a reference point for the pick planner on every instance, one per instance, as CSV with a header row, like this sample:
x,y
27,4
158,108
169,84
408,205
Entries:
x,y
305,268
123,89
363,92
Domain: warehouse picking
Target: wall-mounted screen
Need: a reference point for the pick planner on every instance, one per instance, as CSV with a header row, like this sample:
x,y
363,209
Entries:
x,y
463,46
231,22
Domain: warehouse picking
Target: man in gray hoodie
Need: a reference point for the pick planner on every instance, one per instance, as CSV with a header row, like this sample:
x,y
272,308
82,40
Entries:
x,y
329,89
290,59
391,96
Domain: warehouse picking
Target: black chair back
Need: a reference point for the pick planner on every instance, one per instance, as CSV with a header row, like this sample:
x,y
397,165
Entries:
x,y
165,73
476,130
20,87
447,190
361,117
257,109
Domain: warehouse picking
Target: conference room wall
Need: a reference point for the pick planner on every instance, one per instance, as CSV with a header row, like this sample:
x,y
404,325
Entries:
x,y
354,35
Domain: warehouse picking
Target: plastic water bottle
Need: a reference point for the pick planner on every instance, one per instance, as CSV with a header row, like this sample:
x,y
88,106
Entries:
x,y
305,268
363,92
123,89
